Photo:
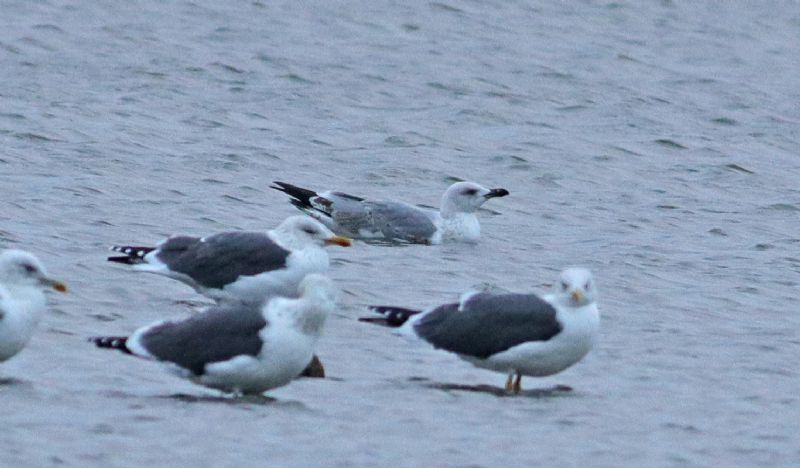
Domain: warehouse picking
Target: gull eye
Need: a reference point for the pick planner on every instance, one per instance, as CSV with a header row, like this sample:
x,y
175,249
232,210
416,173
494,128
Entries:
x,y
309,230
587,286
28,267
470,191
564,286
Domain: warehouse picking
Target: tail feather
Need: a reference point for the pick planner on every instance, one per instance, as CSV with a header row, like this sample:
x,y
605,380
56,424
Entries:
x,y
112,342
133,254
301,198
391,316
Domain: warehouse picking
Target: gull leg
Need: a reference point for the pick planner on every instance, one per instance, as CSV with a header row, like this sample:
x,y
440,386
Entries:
x,y
509,384
517,383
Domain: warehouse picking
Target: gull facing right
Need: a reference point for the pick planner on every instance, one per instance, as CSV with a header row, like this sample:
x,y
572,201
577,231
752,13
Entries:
x,y
238,347
353,216
240,266
22,278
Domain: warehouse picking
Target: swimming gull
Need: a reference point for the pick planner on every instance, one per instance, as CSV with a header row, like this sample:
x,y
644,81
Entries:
x,y
357,217
22,278
239,265
238,347
517,334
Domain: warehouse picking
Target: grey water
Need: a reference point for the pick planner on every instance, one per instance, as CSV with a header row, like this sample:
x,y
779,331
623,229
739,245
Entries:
x,y
655,142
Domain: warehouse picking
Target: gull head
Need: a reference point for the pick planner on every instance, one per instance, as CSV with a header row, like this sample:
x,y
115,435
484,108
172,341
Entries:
x,y
20,268
466,197
575,287
298,232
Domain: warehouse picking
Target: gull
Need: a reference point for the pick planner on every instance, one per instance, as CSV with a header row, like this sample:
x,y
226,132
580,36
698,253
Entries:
x,y
239,265
243,348
516,334
22,301
353,216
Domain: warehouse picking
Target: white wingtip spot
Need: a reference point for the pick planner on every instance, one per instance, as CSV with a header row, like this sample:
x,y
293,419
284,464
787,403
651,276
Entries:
x,y
466,297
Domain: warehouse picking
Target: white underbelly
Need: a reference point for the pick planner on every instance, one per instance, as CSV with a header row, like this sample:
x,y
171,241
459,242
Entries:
x,y
540,358
281,360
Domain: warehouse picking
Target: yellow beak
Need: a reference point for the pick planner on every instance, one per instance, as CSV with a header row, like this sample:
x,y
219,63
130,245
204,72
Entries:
x,y
57,285
577,295
339,240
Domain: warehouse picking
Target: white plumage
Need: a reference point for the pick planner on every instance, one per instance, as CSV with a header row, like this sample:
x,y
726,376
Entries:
x,y
22,301
243,347
455,220
516,334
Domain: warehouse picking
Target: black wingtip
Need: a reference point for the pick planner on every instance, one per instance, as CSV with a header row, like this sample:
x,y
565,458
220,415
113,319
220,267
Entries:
x,y
125,260
278,185
111,342
130,254
391,316
301,196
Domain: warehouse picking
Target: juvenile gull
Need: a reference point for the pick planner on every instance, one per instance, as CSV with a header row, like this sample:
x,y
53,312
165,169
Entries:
x,y
240,266
357,217
517,334
22,278
238,347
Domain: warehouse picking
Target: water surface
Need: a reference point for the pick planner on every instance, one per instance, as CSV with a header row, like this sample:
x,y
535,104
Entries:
x,y
653,142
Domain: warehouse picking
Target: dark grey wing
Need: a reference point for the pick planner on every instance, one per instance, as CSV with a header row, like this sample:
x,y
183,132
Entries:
x,y
401,221
489,324
216,335
222,258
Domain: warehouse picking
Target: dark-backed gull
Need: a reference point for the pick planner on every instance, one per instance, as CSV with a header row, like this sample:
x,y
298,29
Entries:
x,y
240,265
516,334
238,347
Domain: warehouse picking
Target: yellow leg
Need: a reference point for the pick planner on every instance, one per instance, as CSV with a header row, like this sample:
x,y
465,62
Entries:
x,y
509,383
517,384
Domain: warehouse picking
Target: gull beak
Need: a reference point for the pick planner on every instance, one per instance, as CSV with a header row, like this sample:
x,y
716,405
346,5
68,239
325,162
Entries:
x,y
55,284
338,240
577,296
496,192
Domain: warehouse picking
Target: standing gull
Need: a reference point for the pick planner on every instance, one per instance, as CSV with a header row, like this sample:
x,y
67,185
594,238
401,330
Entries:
x,y
356,217
22,278
517,334
240,266
238,347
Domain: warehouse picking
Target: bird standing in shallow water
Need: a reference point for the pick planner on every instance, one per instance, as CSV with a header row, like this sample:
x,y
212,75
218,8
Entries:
x,y
22,301
240,266
517,334
238,347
